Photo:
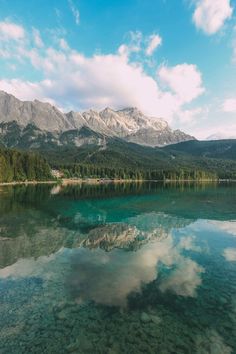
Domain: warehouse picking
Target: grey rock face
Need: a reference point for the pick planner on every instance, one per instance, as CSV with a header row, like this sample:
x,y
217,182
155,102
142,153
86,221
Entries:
x,y
43,115
129,124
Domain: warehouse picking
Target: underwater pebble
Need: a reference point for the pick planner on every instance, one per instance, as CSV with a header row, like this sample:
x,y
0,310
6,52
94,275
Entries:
x,y
62,315
155,319
145,318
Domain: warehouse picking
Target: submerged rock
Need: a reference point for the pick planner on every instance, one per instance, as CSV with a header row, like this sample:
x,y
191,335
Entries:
x,y
155,319
62,315
145,318
73,347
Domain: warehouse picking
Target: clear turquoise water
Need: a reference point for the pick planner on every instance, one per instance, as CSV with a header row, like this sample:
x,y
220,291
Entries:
x,y
118,269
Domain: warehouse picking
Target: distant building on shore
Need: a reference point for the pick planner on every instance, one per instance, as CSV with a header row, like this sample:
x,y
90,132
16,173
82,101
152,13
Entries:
x,y
56,173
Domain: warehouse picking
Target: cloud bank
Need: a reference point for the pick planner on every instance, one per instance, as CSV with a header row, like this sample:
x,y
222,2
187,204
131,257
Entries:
x,y
11,31
72,80
210,15
229,105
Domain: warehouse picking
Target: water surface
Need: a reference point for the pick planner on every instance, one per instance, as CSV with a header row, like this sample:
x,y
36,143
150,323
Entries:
x,y
133,268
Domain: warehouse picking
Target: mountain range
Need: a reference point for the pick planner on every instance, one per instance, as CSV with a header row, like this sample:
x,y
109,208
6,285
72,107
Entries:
x,y
33,124
109,144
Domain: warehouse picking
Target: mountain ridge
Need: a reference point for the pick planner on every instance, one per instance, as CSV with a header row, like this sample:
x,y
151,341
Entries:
x,y
129,124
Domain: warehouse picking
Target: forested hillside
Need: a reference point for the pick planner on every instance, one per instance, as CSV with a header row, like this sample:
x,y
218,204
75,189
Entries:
x,y
220,149
119,159
22,166
123,160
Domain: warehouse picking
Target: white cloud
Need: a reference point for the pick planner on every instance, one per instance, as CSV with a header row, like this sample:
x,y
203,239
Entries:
x,y
184,79
139,44
63,44
190,115
234,45
210,15
75,12
102,80
134,45
223,130
154,41
229,105
82,82
136,37
37,38
26,90
11,31
74,81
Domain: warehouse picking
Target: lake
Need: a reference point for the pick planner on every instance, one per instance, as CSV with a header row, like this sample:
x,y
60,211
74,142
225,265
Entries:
x,y
118,268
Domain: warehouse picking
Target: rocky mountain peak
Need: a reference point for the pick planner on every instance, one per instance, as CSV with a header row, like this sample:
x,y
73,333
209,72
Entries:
x,y
107,110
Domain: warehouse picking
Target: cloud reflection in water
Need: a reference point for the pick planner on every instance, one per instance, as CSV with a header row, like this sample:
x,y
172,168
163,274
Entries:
x,y
108,278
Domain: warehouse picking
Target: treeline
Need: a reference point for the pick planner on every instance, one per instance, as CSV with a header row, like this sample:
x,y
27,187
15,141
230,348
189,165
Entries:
x,y
22,166
93,171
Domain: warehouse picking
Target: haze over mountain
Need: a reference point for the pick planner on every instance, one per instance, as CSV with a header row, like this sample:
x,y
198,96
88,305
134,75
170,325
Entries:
x,y
36,123
221,136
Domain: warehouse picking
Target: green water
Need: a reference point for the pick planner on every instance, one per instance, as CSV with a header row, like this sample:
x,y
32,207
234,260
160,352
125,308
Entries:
x,y
145,268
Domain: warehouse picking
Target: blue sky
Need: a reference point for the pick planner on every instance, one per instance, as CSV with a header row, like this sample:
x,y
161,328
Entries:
x,y
174,59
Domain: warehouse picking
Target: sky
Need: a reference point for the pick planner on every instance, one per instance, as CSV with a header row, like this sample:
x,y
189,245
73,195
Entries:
x,y
174,59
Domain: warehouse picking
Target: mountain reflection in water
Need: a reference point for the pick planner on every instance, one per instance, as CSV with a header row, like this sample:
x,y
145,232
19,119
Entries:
x,y
138,255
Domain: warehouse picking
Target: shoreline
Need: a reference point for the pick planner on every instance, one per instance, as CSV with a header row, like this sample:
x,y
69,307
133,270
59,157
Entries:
x,y
16,183
71,181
